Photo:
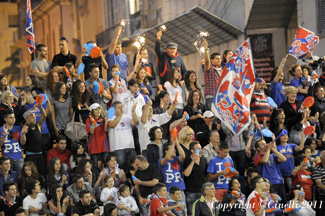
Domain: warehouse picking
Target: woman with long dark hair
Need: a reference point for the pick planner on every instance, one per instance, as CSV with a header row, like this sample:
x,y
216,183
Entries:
x,y
191,84
85,169
80,95
56,174
277,120
32,82
195,110
145,87
155,147
234,200
78,153
59,202
29,172
61,109
225,57
173,85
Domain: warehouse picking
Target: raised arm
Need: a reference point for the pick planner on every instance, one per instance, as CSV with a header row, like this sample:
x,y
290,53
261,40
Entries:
x,y
44,115
114,41
158,50
135,119
280,70
145,113
206,55
169,153
79,59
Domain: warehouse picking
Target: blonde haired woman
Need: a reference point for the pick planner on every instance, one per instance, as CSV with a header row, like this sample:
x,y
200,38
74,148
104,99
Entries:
x,y
185,136
291,107
7,103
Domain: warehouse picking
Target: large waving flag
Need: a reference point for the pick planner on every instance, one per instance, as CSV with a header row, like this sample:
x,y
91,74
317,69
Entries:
x,y
236,85
30,29
304,42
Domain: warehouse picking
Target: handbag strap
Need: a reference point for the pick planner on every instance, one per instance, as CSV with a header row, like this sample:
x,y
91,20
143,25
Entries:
x,y
74,113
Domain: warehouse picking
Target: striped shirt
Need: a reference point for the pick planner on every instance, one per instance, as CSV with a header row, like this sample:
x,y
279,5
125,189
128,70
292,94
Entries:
x,y
319,173
261,107
211,80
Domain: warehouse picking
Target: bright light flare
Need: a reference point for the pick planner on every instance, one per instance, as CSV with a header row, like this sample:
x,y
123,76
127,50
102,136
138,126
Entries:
x,y
163,28
122,22
137,44
204,34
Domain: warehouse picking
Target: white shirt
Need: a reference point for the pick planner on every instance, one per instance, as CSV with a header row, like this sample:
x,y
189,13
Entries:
x,y
107,192
172,92
251,204
122,88
143,129
129,202
127,99
121,136
37,203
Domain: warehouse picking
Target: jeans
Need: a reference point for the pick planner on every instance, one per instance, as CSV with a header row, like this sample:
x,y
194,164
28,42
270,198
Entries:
x,y
144,210
280,190
124,157
94,159
239,158
17,165
288,182
191,197
208,103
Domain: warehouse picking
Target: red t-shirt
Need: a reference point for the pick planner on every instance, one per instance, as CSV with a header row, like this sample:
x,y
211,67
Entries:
x,y
304,180
155,204
98,140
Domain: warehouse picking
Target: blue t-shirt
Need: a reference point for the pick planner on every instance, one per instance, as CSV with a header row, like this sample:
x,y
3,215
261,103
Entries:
x,y
270,170
11,147
278,92
216,165
287,151
121,60
38,115
172,174
296,83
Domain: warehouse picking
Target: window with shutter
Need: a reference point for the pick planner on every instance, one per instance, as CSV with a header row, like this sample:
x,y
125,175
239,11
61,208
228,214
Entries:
x,y
321,16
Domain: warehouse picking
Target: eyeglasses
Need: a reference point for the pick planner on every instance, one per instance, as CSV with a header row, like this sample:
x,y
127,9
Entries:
x,y
88,166
189,134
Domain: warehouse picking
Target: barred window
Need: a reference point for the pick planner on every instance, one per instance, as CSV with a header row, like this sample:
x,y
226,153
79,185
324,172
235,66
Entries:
x,y
320,16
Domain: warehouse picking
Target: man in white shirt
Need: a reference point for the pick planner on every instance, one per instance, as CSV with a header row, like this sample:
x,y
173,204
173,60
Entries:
x,y
149,120
120,135
36,200
257,200
132,97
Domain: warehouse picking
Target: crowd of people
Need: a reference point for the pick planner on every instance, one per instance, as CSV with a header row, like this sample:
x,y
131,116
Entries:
x,y
165,153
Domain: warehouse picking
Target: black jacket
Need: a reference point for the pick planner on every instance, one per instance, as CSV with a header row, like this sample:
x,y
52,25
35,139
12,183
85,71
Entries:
x,y
201,208
166,61
292,116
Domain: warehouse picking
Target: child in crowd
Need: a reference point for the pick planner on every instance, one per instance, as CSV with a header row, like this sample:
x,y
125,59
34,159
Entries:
x,y
126,203
109,193
314,153
302,177
158,204
176,195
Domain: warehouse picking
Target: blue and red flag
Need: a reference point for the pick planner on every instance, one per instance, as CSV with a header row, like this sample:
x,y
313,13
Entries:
x,y
304,42
30,29
236,85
